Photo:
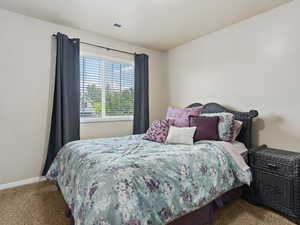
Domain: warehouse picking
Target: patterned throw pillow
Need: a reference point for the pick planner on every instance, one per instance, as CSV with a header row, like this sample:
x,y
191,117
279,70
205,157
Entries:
x,y
237,128
226,125
180,117
158,131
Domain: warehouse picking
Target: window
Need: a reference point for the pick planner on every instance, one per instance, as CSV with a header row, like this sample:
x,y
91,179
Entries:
x,y
106,89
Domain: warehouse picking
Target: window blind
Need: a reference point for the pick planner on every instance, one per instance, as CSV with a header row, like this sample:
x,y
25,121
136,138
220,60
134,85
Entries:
x,y
106,88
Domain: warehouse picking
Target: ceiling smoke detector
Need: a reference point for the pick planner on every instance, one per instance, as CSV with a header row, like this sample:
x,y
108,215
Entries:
x,y
117,25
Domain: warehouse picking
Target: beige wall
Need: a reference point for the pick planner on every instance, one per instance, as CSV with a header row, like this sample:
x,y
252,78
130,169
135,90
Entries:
x,y
25,86
254,64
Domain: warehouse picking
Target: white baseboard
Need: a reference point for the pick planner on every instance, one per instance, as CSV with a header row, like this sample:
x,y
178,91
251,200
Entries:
x,y
22,182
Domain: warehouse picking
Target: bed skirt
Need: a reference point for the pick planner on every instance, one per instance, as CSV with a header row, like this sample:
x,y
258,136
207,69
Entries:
x,y
202,216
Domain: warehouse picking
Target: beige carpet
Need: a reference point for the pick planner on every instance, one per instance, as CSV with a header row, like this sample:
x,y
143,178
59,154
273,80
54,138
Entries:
x,y
42,204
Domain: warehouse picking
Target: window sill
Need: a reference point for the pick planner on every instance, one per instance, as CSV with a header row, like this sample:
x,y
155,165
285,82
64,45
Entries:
x,y
106,119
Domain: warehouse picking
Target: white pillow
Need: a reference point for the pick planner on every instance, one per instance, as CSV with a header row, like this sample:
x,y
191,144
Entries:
x,y
181,135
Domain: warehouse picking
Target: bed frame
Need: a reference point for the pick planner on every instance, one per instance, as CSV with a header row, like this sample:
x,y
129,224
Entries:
x,y
205,214
245,135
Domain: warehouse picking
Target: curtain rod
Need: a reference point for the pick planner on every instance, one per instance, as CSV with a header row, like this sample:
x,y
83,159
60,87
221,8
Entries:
x,y
107,48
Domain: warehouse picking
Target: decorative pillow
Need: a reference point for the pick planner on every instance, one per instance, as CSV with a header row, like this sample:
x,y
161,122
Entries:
x,y
207,127
158,131
237,127
180,117
226,124
181,135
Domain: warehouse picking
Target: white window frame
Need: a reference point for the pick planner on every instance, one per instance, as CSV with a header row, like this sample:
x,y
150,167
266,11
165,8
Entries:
x,y
105,118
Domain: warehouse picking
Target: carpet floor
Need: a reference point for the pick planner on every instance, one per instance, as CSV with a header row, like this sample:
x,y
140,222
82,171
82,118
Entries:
x,y
42,204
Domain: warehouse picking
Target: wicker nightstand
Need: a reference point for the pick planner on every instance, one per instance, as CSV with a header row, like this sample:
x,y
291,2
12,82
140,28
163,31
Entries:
x,y
276,180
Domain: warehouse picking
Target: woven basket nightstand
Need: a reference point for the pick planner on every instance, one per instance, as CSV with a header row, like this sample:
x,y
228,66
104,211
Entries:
x,y
276,180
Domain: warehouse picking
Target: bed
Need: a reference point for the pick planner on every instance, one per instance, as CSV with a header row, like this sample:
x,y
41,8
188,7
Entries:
x,y
128,180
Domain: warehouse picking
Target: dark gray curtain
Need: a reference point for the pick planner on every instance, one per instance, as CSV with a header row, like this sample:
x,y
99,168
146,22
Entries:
x,y
65,121
141,94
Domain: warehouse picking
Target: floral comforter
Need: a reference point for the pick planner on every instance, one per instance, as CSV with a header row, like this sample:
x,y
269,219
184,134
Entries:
x,y
131,181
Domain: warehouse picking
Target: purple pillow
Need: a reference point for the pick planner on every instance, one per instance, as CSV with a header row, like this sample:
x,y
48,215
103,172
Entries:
x,y
180,117
207,127
226,124
158,131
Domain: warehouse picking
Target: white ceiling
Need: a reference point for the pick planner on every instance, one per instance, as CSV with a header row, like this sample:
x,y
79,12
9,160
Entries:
x,y
155,24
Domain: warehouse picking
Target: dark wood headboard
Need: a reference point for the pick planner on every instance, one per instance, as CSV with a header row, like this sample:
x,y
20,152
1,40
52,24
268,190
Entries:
x,y
245,135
